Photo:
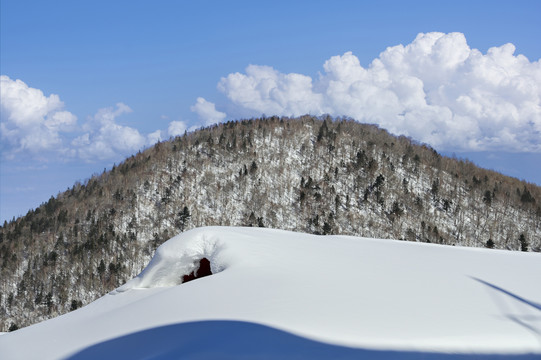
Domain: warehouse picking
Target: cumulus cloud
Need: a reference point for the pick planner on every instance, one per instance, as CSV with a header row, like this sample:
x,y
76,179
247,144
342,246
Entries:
x,y
176,128
206,111
266,90
31,122
154,137
105,139
37,125
436,89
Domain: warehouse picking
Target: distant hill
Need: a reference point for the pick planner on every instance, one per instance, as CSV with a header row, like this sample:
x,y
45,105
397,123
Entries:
x,y
314,175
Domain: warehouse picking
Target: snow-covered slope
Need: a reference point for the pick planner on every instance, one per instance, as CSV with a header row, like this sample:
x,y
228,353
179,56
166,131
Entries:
x,y
278,294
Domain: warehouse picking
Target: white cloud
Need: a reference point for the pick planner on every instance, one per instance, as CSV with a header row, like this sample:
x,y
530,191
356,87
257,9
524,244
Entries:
x,y
176,128
436,89
207,112
266,90
106,116
36,125
154,137
31,122
105,139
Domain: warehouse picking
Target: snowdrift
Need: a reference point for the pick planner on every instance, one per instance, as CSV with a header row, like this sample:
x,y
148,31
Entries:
x,y
278,294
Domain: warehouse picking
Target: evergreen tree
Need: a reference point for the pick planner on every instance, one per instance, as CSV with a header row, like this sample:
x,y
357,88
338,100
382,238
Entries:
x,y
327,229
182,218
487,198
523,243
101,268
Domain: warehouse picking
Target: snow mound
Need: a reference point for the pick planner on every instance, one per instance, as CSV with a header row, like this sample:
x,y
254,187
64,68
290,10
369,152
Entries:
x,y
176,258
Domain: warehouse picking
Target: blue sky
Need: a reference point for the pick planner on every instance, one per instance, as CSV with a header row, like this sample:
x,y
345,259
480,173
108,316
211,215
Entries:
x,y
86,84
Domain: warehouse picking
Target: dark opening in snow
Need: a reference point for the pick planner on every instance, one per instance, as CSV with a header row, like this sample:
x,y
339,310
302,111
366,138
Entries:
x,y
202,271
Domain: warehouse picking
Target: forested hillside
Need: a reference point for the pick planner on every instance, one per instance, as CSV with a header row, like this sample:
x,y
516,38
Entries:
x,y
315,175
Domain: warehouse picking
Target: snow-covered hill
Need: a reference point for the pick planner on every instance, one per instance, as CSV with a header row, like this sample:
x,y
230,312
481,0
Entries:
x,y
279,294
311,175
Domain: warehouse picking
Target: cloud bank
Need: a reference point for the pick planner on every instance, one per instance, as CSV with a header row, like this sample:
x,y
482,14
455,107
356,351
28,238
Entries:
x,y
36,125
436,89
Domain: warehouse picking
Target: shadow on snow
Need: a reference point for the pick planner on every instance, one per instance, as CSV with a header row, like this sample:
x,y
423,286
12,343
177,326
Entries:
x,y
529,320
244,340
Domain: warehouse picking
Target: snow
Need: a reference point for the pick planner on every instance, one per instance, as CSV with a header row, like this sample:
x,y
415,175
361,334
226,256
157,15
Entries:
x,y
279,294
